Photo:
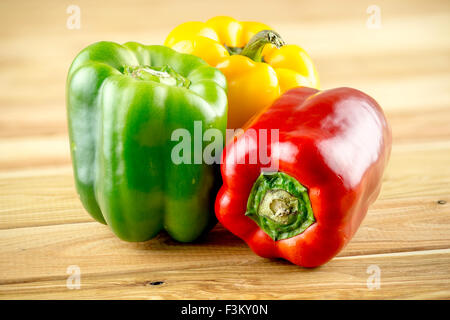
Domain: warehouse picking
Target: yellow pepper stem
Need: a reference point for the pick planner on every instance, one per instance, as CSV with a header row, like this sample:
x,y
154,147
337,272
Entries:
x,y
255,46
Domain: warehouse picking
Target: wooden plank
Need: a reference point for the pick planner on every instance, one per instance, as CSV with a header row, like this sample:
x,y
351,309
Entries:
x,y
421,125
51,120
38,198
42,252
23,152
402,276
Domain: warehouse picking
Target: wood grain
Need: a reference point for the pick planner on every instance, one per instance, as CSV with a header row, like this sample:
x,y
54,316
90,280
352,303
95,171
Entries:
x,y
404,65
403,277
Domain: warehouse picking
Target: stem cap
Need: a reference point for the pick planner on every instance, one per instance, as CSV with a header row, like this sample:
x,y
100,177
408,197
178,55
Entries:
x,y
280,205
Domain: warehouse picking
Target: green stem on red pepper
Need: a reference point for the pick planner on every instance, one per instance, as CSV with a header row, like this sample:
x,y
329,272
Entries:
x,y
280,205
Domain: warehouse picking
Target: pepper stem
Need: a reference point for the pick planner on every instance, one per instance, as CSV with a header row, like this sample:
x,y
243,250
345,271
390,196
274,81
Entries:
x,y
255,46
280,205
165,74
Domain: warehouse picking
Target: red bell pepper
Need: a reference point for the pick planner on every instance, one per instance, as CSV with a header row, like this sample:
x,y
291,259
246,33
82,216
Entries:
x,y
331,152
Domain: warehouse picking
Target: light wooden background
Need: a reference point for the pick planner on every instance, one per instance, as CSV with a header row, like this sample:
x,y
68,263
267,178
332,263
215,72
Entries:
x,y
405,65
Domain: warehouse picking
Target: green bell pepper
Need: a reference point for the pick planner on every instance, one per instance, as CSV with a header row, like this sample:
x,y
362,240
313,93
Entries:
x,y
123,104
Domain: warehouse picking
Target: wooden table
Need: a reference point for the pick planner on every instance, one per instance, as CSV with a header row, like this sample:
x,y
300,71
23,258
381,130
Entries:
x,y
44,230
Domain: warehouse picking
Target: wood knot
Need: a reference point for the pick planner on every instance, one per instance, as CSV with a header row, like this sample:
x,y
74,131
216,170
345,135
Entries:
x,y
154,283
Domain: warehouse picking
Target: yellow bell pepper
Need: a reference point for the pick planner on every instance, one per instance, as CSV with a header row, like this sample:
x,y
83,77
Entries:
x,y
258,65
